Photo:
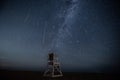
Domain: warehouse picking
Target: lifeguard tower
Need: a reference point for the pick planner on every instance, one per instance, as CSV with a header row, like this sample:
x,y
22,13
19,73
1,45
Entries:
x,y
53,69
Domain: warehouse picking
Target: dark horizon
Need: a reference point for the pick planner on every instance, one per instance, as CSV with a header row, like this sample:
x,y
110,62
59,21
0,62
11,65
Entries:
x,y
36,75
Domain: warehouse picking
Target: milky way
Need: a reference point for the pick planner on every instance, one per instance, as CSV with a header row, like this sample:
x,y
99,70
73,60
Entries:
x,y
65,29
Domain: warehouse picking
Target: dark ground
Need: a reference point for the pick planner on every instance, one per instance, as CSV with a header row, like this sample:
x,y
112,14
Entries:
x,y
37,75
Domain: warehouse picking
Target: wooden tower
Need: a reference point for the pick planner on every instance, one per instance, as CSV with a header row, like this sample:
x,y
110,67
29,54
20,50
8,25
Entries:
x,y
53,66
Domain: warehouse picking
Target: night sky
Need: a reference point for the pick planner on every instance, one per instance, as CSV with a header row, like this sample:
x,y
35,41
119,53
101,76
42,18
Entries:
x,y
83,33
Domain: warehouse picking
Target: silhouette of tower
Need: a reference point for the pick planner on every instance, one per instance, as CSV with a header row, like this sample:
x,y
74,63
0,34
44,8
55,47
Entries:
x,y
53,66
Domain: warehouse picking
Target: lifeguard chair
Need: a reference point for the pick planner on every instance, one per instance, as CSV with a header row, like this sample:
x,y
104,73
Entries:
x,y
53,66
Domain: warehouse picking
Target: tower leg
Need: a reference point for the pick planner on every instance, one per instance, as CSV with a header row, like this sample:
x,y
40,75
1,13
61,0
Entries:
x,y
54,71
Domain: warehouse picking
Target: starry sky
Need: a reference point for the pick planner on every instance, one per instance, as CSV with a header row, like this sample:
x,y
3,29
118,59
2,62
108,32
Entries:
x,y
83,33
